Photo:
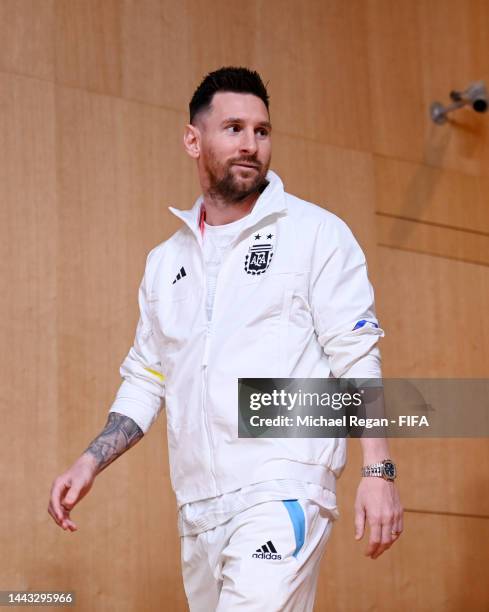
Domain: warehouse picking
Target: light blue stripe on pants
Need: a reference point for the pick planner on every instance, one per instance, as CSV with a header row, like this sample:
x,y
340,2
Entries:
x,y
298,519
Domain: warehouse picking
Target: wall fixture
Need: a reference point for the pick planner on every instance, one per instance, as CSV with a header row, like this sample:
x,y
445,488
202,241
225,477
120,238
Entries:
x,y
475,95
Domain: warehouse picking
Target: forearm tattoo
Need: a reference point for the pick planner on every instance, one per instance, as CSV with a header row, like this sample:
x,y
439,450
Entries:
x,y
119,435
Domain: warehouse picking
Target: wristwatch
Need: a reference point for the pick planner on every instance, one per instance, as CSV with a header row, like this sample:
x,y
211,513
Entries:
x,y
386,469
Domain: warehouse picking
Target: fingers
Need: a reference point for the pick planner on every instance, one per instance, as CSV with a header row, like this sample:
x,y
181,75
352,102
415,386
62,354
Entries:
x,y
64,521
398,524
382,510
71,497
68,502
383,533
386,540
69,524
374,539
60,511
359,523
58,490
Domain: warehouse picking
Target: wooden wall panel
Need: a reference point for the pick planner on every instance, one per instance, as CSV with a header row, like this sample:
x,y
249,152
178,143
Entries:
x,y
223,36
88,45
418,52
418,192
31,436
315,56
395,79
27,37
469,247
153,51
157,53
434,312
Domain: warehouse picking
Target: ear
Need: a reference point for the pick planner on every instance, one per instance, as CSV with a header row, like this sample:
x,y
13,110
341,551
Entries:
x,y
191,140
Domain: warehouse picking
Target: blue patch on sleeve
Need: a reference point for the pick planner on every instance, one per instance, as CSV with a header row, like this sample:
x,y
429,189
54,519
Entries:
x,y
363,322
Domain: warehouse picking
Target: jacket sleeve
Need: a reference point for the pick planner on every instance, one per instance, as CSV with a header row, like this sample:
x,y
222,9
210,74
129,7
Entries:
x,y
342,303
142,390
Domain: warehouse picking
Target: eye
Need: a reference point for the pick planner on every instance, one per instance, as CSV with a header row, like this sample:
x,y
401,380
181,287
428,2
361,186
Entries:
x,y
234,127
263,132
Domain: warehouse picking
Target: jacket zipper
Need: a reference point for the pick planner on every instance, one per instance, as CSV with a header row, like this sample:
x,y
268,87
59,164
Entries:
x,y
208,338
205,359
206,421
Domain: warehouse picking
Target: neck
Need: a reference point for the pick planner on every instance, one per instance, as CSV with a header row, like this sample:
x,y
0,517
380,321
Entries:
x,y
219,211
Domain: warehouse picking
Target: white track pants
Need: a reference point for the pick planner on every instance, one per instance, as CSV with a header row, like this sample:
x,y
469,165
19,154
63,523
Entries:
x,y
264,559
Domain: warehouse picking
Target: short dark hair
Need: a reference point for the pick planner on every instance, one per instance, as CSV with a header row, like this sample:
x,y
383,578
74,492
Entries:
x,y
228,78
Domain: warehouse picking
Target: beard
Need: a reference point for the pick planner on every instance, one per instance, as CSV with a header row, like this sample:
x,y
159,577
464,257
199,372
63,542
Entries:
x,y
225,183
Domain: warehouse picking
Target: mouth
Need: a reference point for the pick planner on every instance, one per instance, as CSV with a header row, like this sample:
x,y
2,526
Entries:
x,y
246,165
243,165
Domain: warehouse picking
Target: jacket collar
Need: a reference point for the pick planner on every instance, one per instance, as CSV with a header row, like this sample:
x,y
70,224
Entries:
x,y
271,201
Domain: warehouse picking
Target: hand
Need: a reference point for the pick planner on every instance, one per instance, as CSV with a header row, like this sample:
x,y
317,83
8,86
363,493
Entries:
x,y
69,488
378,502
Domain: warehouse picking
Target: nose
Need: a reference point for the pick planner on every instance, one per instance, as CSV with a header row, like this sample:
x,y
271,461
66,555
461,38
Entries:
x,y
248,142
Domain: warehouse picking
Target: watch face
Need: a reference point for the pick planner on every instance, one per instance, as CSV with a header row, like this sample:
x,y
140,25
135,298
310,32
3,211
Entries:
x,y
389,469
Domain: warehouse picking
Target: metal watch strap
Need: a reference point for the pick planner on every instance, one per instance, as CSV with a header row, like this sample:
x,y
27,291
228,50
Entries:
x,y
375,469
385,469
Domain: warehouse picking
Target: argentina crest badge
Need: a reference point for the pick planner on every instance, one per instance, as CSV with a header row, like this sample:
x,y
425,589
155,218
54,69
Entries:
x,y
260,253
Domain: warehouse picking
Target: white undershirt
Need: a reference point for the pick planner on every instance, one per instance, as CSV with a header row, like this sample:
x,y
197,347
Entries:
x,y
216,240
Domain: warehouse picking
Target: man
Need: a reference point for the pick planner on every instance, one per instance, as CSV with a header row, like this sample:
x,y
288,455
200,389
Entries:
x,y
257,283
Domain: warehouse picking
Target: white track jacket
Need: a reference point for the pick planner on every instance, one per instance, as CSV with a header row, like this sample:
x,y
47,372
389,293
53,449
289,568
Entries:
x,y
292,300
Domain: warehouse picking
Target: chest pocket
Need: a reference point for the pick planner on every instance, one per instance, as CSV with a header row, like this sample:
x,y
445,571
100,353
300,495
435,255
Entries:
x,y
281,297
262,296
274,312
